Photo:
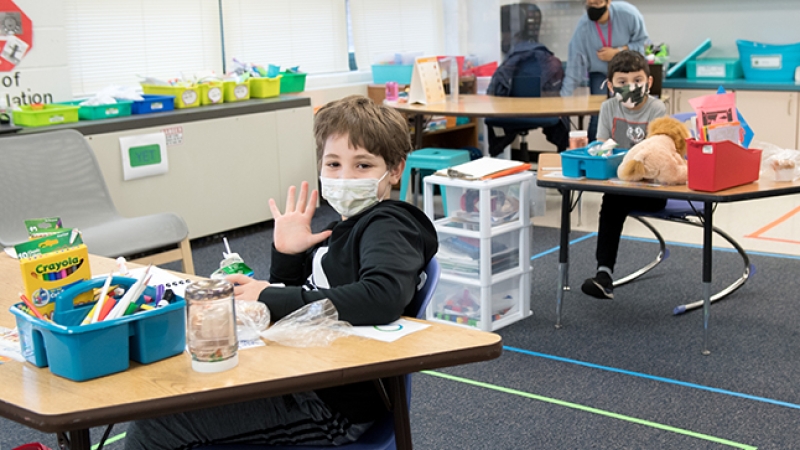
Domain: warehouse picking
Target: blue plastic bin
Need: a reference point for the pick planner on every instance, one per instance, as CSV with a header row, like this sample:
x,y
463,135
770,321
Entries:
x,y
579,163
82,352
382,73
153,104
767,62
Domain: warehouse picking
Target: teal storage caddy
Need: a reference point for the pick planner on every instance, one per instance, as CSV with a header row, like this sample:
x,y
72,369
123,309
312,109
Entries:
x,y
579,163
716,68
83,352
383,73
96,112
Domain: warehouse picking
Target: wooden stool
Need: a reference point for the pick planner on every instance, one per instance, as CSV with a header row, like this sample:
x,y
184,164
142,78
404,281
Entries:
x,y
430,159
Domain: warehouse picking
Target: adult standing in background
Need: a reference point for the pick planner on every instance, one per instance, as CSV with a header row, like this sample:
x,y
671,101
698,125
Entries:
x,y
606,29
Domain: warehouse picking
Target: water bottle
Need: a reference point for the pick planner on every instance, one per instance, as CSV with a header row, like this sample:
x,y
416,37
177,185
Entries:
x,y
211,325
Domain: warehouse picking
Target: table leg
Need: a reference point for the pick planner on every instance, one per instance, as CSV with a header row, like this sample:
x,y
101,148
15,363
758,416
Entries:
x,y
74,440
708,225
402,425
563,254
418,124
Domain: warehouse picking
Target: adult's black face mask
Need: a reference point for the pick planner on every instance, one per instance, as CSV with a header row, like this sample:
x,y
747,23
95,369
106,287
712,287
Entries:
x,y
596,13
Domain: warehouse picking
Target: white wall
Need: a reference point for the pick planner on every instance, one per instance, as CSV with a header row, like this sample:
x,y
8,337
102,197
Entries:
x,y
682,24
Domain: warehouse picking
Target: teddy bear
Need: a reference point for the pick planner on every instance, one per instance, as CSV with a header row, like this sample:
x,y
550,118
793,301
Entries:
x,y
661,157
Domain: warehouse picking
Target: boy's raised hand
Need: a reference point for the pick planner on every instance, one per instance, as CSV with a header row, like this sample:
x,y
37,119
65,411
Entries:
x,y
292,233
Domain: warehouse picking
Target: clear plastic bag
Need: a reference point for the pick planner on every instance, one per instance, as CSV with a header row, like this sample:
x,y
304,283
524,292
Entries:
x,y
777,163
251,319
314,325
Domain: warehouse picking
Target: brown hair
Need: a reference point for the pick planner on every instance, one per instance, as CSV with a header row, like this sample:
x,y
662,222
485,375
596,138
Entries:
x,y
379,129
627,61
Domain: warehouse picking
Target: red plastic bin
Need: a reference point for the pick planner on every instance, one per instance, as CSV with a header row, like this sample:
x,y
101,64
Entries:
x,y
34,446
714,166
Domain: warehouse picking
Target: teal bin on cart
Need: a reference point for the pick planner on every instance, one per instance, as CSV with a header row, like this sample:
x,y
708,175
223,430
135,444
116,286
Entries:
x,y
83,352
579,163
95,112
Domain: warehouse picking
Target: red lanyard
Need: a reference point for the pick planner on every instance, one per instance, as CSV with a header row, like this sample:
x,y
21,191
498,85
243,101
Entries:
x,y
600,33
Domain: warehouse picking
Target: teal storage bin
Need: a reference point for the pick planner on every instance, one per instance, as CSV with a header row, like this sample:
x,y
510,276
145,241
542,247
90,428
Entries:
x,y
120,109
767,62
382,73
579,163
83,352
716,68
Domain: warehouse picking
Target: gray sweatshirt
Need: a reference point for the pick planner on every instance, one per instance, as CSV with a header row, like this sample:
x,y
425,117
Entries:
x,y
627,28
627,127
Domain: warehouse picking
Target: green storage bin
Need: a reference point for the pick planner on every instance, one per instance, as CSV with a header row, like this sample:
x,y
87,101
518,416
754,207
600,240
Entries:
x,y
292,82
185,97
236,92
95,112
717,68
50,114
265,87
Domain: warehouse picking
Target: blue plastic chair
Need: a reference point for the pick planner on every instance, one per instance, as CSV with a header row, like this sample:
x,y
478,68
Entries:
x,y
682,211
381,435
430,159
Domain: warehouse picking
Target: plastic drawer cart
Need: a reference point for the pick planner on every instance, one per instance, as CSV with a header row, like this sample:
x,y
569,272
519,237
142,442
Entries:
x,y
484,251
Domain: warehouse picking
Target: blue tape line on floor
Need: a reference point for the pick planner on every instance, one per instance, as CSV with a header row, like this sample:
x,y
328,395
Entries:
x,y
655,378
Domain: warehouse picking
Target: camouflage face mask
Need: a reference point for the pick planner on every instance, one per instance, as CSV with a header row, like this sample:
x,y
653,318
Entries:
x,y
631,95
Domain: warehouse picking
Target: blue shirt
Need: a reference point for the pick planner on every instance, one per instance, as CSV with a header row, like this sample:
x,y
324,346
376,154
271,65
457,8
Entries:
x,y
627,28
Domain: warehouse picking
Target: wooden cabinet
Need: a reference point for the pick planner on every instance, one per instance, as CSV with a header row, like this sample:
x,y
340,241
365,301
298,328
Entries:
x,y
772,116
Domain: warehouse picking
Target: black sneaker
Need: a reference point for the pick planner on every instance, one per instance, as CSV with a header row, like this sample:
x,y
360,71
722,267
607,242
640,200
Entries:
x,y
601,286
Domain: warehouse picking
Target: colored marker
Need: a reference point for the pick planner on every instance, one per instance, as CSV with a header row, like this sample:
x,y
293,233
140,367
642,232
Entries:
x,y
110,302
131,308
31,306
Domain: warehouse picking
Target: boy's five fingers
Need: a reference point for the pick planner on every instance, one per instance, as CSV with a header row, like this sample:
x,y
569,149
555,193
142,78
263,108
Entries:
x,y
238,278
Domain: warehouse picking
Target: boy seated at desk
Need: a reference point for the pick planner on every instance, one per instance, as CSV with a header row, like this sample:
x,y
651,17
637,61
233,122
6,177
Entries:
x,y
368,264
624,118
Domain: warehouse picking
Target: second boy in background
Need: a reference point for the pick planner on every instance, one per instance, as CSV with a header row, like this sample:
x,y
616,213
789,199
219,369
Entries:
x,y
624,118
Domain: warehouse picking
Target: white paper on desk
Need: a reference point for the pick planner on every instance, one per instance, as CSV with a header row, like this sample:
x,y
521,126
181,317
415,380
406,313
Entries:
x,y
391,331
11,251
161,276
479,168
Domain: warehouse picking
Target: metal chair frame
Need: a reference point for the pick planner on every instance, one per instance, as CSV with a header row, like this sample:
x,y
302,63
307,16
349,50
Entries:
x,y
684,217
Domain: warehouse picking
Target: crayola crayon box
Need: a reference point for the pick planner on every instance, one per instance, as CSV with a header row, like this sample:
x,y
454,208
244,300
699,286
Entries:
x,y
51,264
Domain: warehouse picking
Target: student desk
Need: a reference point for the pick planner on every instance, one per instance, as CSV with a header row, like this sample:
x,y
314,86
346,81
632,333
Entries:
x,y
549,176
38,399
491,106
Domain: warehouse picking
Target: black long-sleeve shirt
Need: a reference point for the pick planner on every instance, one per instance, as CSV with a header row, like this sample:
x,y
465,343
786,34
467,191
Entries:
x,y
369,268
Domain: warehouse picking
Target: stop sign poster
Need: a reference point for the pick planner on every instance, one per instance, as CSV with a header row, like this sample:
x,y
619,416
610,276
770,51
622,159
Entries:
x,y
16,35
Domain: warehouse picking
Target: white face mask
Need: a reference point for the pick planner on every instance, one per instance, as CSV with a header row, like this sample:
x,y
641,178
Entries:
x,y
350,196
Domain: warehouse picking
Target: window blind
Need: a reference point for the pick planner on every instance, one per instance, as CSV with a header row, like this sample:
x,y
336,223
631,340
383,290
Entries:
x,y
311,34
110,42
382,27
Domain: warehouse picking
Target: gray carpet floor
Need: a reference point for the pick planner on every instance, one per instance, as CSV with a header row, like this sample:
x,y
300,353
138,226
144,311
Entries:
x,y
619,374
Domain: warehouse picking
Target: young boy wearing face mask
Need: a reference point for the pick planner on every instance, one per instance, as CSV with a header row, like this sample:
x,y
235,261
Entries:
x,y
624,118
368,264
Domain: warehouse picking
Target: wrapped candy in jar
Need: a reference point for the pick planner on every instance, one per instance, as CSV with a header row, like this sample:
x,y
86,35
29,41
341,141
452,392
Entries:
x,y
211,325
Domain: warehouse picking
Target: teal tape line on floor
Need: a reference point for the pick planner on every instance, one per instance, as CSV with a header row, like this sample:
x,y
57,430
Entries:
x,y
592,410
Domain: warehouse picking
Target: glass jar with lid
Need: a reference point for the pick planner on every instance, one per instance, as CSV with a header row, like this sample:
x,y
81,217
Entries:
x,y
211,325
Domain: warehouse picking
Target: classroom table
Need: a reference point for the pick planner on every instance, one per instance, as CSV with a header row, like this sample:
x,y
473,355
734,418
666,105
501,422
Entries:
x,y
549,175
38,399
492,106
